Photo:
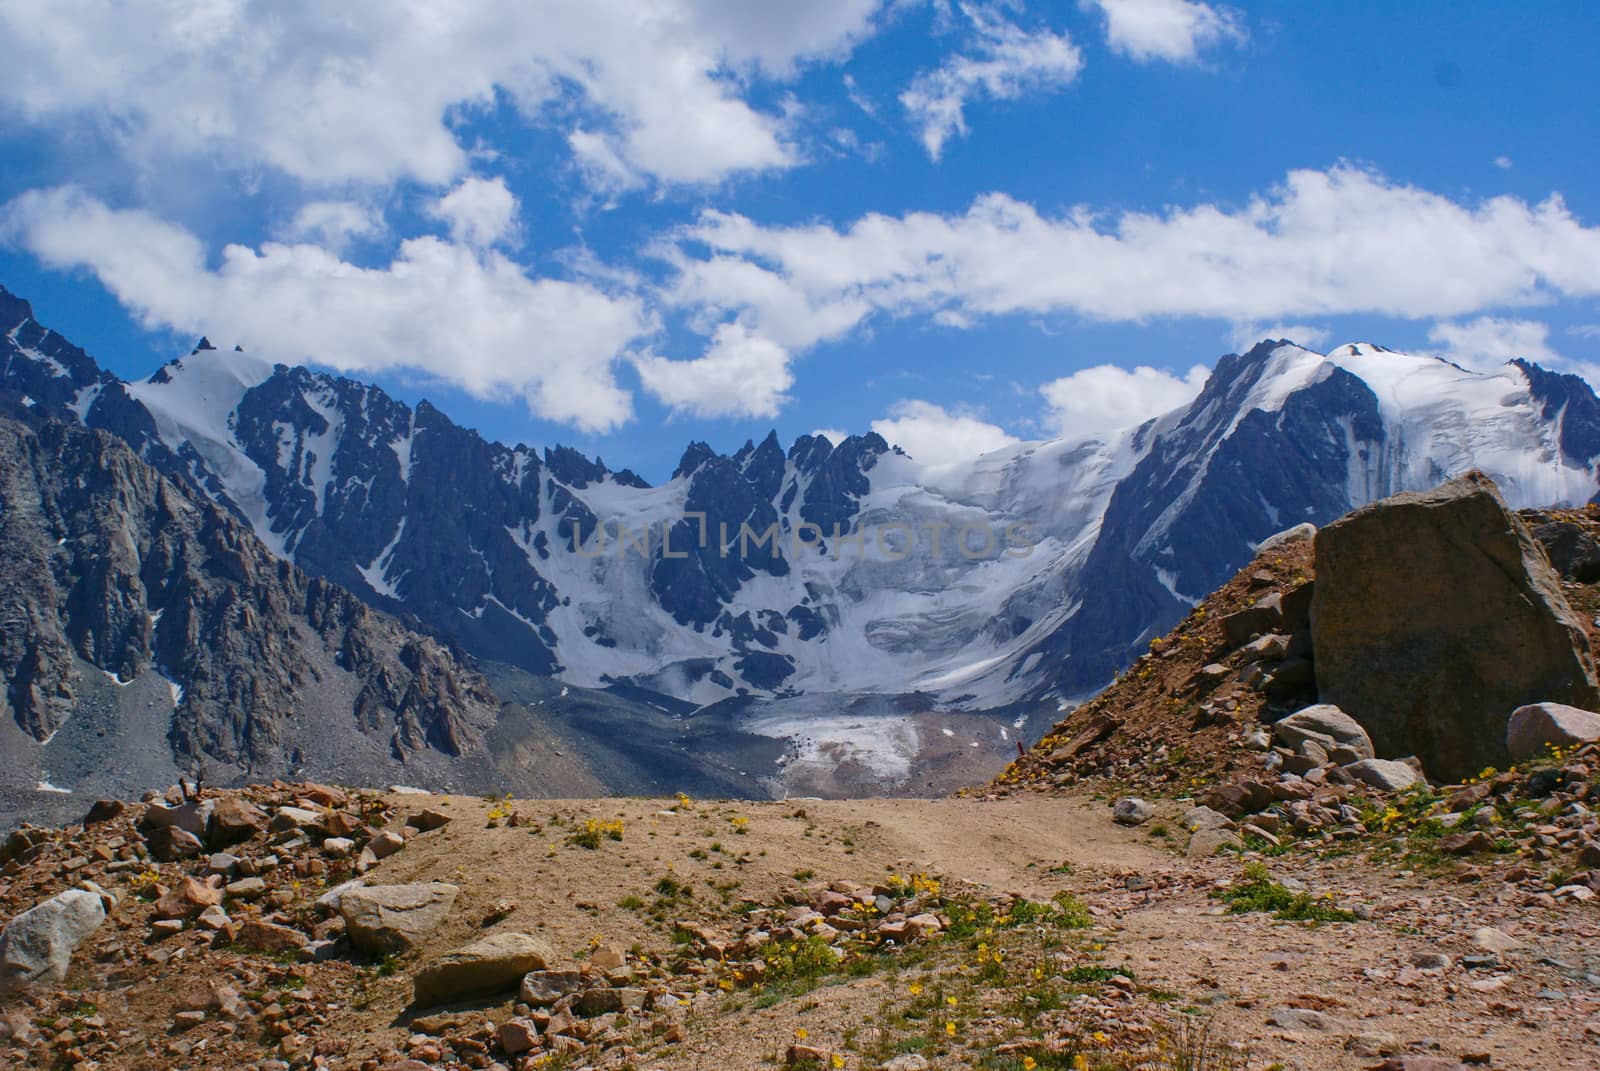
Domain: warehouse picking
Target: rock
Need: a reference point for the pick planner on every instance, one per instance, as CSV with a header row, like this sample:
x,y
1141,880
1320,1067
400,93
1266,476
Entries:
x,y
1303,1019
924,925
1492,940
37,945
1273,647
246,889
495,963
389,919
1435,615
608,957
1300,533
104,811
190,817
907,1062
385,844
270,937
806,1054
169,844
1466,843
592,1002
1208,842
338,847
1371,1044
544,988
1386,775
1214,673
213,918
1430,961
1240,798
1326,726
1132,812
1534,729
233,821
1264,616
517,1036
161,929
427,821
188,897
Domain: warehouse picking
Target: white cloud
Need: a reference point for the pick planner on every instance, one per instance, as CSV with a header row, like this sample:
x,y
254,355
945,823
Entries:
x,y
1173,30
467,316
935,436
834,435
369,91
1489,341
1107,398
1323,243
1503,163
1585,330
1243,336
479,212
333,224
741,374
1006,63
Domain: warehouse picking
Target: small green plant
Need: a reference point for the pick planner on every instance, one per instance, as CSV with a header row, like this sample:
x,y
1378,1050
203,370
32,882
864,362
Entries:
x,y
1257,891
593,831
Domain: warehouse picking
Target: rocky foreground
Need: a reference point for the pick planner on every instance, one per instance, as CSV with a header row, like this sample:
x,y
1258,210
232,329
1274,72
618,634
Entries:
x,y
294,926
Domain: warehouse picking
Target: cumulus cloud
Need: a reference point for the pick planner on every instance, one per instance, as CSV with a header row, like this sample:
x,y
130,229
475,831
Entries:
x,y
370,90
936,436
741,374
1488,341
1504,163
1330,242
333,224
479,212
1106,398
1173,30
1243,336
465,315
1005,62
833,435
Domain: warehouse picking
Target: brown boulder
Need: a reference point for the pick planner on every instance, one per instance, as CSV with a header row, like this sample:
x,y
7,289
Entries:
x,y
1434,616
188,897
234,821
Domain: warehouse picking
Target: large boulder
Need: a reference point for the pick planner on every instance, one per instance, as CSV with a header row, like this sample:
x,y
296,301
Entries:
x,y
1434,615
386,920
37,945
1537,727
494,964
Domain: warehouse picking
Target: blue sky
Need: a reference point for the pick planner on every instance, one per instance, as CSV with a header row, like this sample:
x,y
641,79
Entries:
x,y
624,224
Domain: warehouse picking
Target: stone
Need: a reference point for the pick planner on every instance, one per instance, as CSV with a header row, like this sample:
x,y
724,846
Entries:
x,y
907,1062
808,1055
1386,775
190,817
592,1002
608,957
338,847
1273,647
1300,533
161,929
104,811
1208,842
427,821
1533,729
1492,940
1430,961
1239,798
1132,812
390,919
213,918
270,937
1466,843
1435,615
234,821
37,945
517,1036
246,889
544,988
187,898
1326,726
1266,615
169,844
1304,1019
385,844
491,965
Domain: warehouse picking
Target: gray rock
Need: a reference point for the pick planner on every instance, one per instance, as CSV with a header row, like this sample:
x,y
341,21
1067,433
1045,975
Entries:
x,y
1300,533
544,988
37,945
1208,842
390,919
491,965
1132,812
1326,726
1535,728
1436,614
1383,774
1197,818
1303,1019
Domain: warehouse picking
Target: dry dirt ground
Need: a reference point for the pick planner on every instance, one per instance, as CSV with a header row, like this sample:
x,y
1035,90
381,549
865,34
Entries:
x,y
1153,919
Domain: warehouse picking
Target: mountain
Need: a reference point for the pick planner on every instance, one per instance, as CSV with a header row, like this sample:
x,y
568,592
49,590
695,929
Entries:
x,y
832,596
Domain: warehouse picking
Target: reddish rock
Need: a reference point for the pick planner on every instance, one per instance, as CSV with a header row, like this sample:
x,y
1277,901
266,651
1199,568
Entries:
x,y
189,897
270,937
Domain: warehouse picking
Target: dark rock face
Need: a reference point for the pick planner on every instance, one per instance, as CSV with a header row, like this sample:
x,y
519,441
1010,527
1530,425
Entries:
x,y
1435,615
106,565
1569,402
1220,480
